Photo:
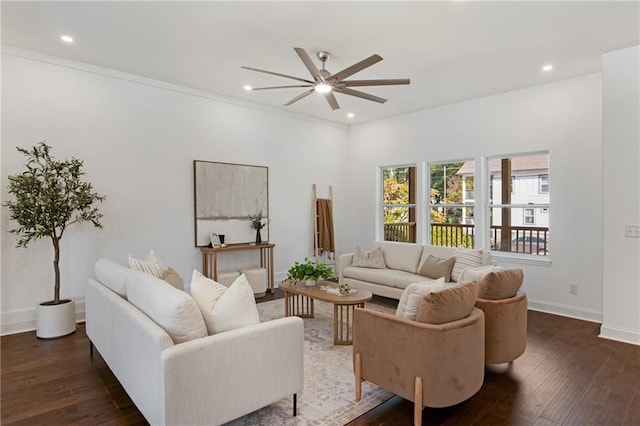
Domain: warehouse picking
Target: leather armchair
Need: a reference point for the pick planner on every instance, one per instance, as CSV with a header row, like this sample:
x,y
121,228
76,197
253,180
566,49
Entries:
x,y
433,365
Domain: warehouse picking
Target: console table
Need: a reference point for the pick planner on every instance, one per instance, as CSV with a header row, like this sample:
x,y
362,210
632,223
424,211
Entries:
x,y
210,258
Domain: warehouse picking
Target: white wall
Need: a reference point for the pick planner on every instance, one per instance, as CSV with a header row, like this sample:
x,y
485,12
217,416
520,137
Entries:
x,y
563,117
621,159
138,139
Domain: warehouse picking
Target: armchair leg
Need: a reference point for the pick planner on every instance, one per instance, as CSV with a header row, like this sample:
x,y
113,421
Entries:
x,y
358,373
295,404
417,402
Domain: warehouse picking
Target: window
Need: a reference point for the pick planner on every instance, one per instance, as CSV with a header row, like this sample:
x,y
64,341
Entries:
x,y
451,204
398,203
529,216
519,216
543,184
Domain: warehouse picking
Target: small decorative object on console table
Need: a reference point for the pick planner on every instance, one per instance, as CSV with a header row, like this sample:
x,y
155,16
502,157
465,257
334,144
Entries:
x,y
257,224
308,272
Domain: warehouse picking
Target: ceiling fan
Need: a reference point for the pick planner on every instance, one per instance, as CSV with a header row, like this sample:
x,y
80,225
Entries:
x,y
326,83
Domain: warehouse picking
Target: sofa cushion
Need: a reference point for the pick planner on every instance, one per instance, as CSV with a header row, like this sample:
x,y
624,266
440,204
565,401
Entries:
x,y
113,275
453,303
412,297
401,256
173,310
435,267
465,258
476,274
374,259
501,284
224,308
151,265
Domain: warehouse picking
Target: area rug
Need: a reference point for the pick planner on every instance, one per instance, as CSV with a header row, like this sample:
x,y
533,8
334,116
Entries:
x,y
328,397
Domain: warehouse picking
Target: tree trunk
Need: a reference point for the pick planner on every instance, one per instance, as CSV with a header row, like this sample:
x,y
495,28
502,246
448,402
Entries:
x,y
56,268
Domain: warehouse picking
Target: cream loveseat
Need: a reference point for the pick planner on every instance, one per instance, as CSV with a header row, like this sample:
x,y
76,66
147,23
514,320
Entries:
x,y
190,378
403,261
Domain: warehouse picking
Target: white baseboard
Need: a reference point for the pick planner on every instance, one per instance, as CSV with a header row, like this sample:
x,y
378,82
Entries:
x,y
565,311
624,335
25,319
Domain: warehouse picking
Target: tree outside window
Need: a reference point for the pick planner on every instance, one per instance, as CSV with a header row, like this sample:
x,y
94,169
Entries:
x,y
398,203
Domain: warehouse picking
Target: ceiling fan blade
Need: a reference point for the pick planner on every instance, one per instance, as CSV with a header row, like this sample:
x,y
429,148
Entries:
x,y
300,96
331,98
304,56
278,74
360,94
387,82
282,87
341,75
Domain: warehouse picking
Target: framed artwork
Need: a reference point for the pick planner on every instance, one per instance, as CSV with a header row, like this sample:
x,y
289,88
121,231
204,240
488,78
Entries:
x,y
226,195
215,240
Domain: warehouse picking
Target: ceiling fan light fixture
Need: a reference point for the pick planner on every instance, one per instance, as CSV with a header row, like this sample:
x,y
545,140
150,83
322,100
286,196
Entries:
x,y
323,88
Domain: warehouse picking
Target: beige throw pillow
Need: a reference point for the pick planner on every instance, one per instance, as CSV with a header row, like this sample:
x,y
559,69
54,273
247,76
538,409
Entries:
x,y
501,285
173,278
412,296
151,265
373,259
465,258
476,274
453,303
435,267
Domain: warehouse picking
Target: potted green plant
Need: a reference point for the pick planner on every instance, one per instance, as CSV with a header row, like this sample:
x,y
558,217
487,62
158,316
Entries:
x,y
309,272
257,224
49,196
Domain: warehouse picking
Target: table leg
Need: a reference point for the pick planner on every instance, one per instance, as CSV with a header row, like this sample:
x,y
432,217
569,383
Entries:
x,y
343,323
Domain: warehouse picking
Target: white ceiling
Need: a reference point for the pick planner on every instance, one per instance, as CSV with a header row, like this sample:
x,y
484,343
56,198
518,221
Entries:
x,y
451,51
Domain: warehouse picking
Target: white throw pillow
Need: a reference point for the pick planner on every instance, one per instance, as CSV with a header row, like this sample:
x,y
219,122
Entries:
x,y
465,258
412,296
151,265
223,308
475,274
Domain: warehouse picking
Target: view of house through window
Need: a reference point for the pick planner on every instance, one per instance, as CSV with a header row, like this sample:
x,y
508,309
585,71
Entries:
x,y
451,204
519,216
398,203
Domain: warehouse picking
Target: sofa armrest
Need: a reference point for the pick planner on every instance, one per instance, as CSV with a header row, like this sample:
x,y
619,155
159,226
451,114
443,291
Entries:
x,y
343,261
394,351
221,377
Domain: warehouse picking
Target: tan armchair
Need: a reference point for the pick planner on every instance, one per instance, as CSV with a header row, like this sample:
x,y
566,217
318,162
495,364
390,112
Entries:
x,y
433,365
505,328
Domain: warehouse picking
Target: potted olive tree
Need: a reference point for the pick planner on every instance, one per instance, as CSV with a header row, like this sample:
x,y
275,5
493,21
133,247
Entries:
x,y
49,196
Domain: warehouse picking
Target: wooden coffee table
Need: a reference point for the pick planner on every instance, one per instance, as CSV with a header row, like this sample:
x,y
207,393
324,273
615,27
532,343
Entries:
x,y
298,301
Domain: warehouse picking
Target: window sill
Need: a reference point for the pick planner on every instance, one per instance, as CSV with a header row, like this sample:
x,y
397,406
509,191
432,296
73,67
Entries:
x,y
524,259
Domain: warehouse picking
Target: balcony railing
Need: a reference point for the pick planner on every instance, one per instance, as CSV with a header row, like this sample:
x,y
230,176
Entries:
x,y
404,232
523,239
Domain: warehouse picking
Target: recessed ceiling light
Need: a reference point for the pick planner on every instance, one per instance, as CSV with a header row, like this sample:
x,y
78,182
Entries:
x,y
67,39
247,87
547,67
351,115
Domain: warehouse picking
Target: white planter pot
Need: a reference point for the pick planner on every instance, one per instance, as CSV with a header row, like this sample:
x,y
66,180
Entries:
x,y
55,320
309,283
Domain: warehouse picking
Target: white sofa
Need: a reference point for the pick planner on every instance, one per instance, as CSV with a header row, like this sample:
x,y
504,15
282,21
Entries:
x,y
403,261
207,380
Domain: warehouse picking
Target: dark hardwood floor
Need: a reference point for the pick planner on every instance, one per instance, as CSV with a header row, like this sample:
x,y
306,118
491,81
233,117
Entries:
x,y
567,376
